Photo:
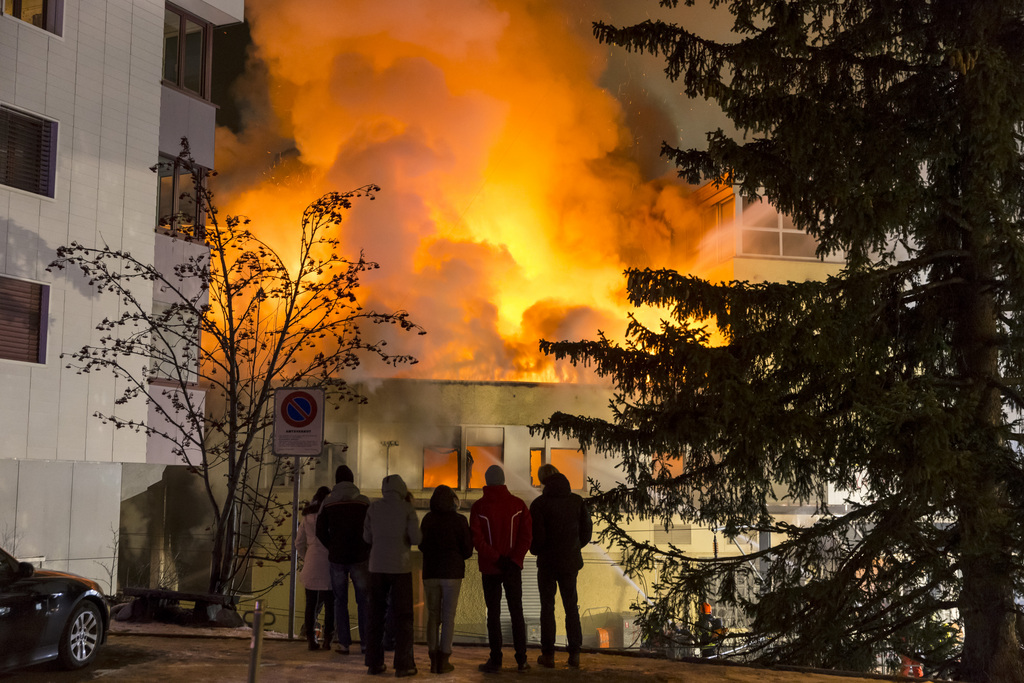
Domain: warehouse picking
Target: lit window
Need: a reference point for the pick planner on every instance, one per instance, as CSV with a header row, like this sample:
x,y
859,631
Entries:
x,y
45,14
28,151
485,446
536,460
440,466
187,44
571,463
480,458
177,210
669,466
23,315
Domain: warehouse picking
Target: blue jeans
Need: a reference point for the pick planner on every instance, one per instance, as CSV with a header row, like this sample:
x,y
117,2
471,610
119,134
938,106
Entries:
x,y
442,599
341,574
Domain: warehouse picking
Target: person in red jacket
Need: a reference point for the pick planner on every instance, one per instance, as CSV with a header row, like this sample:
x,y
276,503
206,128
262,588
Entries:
x,y
502,531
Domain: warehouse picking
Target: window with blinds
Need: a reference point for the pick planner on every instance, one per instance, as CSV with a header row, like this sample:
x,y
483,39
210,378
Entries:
x,y
23,315
28,148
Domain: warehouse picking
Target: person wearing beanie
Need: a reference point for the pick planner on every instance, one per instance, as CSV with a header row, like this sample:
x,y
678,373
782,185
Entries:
x,y
339,526
446,545
561,527
502,531
391,528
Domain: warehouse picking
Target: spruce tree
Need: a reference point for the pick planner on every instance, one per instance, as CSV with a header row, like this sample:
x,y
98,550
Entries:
x,y
890,130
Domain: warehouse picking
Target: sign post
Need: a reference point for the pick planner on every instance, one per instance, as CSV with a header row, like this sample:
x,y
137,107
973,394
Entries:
x,y
298,432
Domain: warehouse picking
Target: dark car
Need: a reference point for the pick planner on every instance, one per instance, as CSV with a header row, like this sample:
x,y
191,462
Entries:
x,y
47,615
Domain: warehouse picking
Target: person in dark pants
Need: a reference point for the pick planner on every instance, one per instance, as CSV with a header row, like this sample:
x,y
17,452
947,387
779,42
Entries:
x,y
446,545
391,529
501,534
339,527
315,575
561,527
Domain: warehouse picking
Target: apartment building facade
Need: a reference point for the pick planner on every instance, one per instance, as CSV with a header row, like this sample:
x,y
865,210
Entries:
x,y
94,94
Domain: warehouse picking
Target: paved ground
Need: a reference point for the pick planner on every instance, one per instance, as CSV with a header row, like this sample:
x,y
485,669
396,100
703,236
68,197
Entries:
x,y
154,653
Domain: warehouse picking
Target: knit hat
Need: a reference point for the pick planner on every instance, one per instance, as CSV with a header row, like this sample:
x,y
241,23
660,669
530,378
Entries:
x,y
343,473
494,476
545,471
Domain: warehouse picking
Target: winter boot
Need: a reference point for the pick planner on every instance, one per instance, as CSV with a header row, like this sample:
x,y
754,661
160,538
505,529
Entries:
x,y
433,661
443,665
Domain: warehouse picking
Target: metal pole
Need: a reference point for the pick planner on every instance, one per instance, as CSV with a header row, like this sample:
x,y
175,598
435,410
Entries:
x,y
294,553
256,644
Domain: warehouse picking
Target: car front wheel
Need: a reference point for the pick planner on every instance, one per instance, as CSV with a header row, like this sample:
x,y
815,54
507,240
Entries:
x,y
82,636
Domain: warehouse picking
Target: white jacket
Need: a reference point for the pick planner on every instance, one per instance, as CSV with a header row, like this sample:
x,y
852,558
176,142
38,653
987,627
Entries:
x,y
316,571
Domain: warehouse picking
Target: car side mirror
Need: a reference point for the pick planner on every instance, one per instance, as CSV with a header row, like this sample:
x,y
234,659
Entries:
x,y
25,570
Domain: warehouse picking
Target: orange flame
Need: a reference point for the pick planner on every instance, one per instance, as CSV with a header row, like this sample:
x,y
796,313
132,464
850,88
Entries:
x,y
510,204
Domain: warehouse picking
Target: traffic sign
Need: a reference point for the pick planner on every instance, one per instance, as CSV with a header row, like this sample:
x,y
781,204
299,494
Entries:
x,y
298,421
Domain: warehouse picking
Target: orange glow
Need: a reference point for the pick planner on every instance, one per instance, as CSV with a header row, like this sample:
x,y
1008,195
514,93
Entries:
x,y
440,466
512,198
482,458
672,467
536,460
571,463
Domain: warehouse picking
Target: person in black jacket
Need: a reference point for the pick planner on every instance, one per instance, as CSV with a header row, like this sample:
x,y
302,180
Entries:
x,y
446,545
561,527
339,527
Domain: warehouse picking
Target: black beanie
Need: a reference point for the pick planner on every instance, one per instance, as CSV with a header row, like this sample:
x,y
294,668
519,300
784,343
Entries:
x,y
343,473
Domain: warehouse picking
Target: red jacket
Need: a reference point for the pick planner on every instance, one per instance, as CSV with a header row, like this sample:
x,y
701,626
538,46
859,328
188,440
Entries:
x,y
501,525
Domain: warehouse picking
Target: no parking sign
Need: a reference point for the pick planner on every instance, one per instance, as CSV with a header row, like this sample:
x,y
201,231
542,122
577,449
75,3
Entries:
x,y
298,421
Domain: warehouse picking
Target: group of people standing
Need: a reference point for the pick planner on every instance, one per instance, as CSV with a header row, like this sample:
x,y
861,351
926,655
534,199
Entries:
x,y
343,537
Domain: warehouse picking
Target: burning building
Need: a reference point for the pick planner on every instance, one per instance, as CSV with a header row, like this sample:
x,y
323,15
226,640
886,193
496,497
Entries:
x,y
518,161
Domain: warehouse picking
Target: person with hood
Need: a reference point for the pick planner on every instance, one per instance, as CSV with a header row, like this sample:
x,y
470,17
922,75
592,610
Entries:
x,y
446,545
501,534
316,574
561,527
340,528
391,528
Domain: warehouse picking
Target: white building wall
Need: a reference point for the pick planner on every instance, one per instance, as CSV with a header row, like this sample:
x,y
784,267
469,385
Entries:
x,y
60,467
100,81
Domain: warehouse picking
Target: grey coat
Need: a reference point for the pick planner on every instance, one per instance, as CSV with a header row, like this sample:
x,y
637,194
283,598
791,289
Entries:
x,y
391,528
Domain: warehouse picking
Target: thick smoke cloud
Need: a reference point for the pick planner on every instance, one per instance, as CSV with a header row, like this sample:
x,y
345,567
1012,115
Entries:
x,y
513,193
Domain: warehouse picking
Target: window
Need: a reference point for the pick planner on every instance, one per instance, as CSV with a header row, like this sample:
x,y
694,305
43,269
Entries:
x,y
440,466
485,446
177,210
45,14
716,237
187,46
571,463
23,315
28,151
766,232
441,459
668,465
536,460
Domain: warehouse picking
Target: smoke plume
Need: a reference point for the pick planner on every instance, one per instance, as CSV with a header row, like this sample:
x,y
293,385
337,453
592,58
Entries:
x,y
513,197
